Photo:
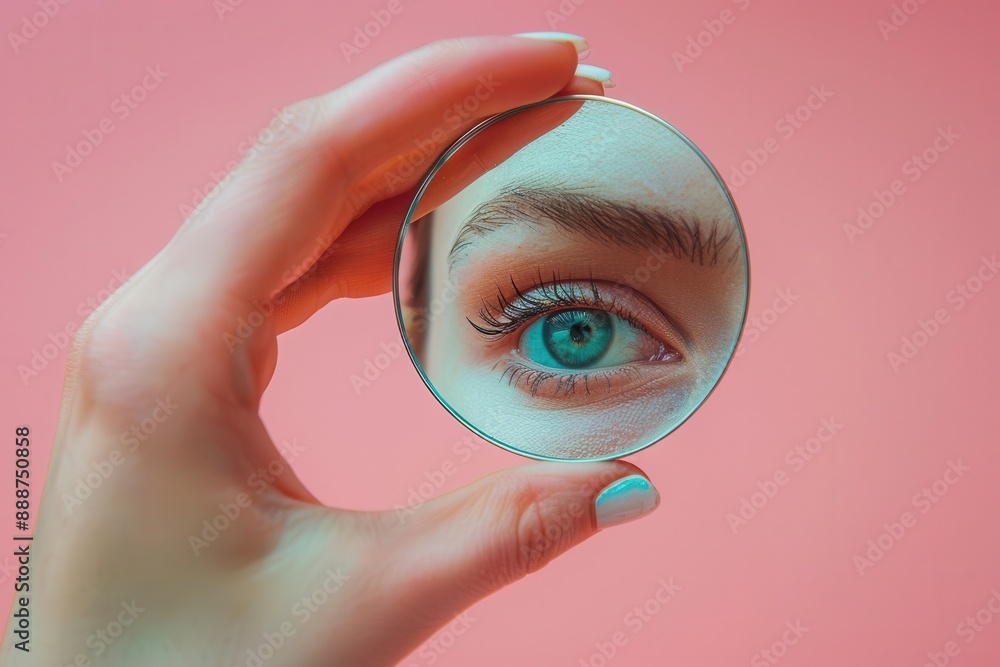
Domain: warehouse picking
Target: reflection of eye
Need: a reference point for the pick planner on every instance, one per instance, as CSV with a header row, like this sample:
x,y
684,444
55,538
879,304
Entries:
x,y
569,338
577,332
587,338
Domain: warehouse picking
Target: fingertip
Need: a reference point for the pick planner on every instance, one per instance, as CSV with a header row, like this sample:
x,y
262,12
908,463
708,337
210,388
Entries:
x,y
581,85
564,53
581,46
616,491
626,499
503,527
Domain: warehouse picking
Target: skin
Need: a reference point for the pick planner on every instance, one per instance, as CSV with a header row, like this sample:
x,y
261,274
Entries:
x,y
318,189
614,153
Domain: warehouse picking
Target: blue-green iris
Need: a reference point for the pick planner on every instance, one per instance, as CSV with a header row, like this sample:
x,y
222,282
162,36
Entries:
x,y
577,338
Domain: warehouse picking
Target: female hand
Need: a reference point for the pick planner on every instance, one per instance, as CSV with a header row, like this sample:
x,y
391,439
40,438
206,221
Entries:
x,y
130,576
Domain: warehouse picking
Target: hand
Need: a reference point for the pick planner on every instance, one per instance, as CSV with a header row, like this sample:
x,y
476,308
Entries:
x,y
319,586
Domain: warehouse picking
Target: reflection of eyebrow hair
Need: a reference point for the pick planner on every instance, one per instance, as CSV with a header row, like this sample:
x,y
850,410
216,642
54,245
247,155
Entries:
x,y
621,223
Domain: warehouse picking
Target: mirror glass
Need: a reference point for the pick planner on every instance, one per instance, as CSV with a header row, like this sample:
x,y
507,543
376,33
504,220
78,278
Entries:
x,y
572,279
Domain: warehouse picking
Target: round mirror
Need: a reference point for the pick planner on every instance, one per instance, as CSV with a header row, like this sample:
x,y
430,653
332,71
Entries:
x,y
572,278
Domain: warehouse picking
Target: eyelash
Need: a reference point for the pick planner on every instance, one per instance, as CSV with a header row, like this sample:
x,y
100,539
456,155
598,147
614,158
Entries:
x,y
542,297
565,383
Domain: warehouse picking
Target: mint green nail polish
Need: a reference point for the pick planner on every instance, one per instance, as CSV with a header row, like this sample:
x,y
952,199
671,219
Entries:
x,y
596,73
624,500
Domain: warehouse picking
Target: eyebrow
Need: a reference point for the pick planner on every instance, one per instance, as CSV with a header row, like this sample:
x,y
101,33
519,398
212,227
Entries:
x,y
598,219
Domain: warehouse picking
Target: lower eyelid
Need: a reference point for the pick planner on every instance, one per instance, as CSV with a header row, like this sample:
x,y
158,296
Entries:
x,y
544,382
589,385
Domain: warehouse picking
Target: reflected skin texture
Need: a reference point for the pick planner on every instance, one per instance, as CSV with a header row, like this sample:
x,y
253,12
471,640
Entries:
x,y
520,244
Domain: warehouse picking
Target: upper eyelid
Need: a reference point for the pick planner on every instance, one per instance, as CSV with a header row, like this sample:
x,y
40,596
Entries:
x,y
549,290
491,314
669,329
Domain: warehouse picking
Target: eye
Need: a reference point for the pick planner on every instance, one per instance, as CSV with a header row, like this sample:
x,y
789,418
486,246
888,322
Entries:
x,y
587,338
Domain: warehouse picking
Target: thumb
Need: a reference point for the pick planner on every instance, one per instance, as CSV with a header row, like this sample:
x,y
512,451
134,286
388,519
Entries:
x,y
461,547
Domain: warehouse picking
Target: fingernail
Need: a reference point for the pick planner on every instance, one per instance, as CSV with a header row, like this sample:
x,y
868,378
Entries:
x,y
581,44
596,73
626,499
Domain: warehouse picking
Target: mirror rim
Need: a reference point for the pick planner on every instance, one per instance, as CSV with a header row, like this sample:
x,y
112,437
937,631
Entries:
x,y
428,179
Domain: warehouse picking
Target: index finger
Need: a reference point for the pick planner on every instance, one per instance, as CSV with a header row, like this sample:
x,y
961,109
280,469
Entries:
x,y
269,217
292,198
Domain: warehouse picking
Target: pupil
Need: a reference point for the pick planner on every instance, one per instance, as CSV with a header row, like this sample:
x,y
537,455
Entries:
x,y
578,338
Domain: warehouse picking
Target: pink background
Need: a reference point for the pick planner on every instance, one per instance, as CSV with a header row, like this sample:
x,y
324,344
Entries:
x,y
825,357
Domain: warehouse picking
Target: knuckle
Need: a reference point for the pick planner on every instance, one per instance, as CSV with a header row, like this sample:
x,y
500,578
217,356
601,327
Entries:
x,y
301,133
538,529
297,120
533,541
91,343
444,48
293,128
114,360
430,63
100,345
